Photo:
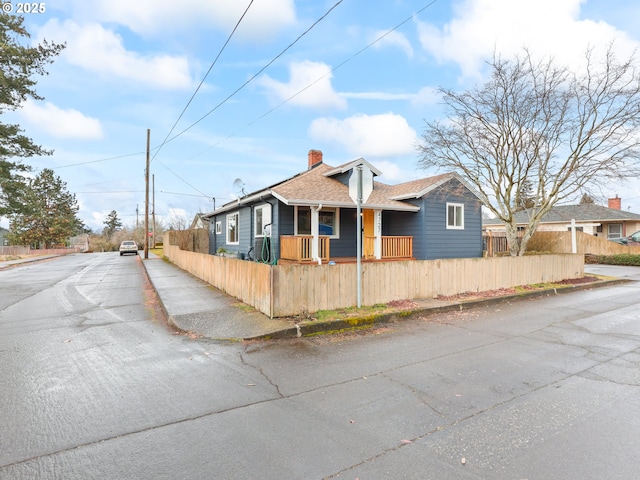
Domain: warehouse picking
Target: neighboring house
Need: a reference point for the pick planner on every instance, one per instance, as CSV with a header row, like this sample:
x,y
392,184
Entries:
x,y
4,234
607,222
80,242
199,222
311,217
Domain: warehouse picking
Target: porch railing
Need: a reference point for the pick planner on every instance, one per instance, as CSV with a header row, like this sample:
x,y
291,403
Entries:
x,y
392,247
397,247
299,248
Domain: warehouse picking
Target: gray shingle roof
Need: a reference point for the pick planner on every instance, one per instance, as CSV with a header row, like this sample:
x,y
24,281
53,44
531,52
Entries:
x,y
316,186
581,213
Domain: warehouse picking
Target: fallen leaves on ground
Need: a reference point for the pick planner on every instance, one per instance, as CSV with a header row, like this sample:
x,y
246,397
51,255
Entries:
x,y
402,304
501,292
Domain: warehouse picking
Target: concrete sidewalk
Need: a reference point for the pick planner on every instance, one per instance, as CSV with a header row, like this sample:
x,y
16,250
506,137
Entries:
x,y
194,306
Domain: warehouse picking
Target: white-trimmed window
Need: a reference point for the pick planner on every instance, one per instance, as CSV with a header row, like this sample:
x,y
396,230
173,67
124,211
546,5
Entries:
x,y
261,219
218,228
455,216
233,222
328,221
614,230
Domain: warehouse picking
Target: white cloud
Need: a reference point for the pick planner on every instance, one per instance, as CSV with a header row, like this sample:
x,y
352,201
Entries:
x,y
157,17
309,86
97,49
393,173
377,95
382,135
61,123
426,96
545,27
393,39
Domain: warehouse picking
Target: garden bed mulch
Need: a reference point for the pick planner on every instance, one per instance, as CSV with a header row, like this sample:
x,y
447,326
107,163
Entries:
x,y
501,292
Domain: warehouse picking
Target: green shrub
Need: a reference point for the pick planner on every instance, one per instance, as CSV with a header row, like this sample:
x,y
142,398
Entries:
x,y
620,259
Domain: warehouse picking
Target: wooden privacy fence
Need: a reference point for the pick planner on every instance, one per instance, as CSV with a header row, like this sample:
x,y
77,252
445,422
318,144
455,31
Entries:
x,y
289,289
16,250
194,240
560,242
328,287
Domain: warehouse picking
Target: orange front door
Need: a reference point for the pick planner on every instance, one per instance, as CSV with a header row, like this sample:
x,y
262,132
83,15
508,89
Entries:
x,y
368,234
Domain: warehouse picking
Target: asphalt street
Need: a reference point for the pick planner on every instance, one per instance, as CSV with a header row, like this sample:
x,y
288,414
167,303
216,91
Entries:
x,y
95,384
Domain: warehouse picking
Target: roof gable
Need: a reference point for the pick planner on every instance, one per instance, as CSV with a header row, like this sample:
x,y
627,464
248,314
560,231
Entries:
x,y
419,188
350,166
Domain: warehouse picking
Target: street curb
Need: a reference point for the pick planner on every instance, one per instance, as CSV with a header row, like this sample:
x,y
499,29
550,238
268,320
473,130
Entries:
x,y
155,291
308,329
17,263
313,328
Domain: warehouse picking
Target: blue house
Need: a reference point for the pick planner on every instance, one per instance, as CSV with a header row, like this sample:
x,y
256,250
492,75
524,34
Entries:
x,y
311,217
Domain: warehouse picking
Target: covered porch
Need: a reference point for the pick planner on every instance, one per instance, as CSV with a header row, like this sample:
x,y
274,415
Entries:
x,y
310,249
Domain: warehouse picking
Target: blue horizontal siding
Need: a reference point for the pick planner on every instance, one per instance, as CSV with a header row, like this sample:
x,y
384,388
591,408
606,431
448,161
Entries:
x,y
451,243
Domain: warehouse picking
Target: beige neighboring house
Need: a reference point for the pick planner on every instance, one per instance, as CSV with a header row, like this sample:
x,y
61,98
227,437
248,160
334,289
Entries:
x,y
80,242
199,222
609,222
4,240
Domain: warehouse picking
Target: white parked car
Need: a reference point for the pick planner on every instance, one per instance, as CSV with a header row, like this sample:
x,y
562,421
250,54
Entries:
x,y
128,246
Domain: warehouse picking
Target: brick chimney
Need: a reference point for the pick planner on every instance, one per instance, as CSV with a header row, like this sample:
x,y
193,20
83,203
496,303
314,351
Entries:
x,y
315,158
615,203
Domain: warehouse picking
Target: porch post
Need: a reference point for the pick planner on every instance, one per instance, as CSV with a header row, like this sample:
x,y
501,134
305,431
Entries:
x,y
377,232
315,228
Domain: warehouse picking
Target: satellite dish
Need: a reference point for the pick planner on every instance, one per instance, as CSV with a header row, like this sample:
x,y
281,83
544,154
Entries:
x,y
238,187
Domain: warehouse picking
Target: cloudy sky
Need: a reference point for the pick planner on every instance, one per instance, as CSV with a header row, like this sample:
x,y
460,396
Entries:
x,y
359,83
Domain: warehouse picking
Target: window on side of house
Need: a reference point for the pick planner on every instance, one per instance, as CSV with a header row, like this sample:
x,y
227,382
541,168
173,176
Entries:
x,y
218,228
328,222
233,237
614,230
261,219
302,221
455,216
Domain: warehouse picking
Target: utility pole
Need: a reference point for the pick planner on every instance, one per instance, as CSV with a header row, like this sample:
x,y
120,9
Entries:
x,y
153,208
359,238
137,218
146,199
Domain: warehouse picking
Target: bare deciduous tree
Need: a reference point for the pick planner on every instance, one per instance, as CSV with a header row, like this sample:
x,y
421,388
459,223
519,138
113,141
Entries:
x,y
540,130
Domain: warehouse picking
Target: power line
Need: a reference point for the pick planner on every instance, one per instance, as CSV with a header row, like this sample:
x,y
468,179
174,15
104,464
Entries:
x,y
185,194
97,161
268,112
114,191
256,74
204,78
167,140
180,178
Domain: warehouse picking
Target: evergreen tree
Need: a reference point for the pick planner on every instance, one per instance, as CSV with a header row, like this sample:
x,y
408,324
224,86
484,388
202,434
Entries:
x,y
19,63
586,199
50,213
112,224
